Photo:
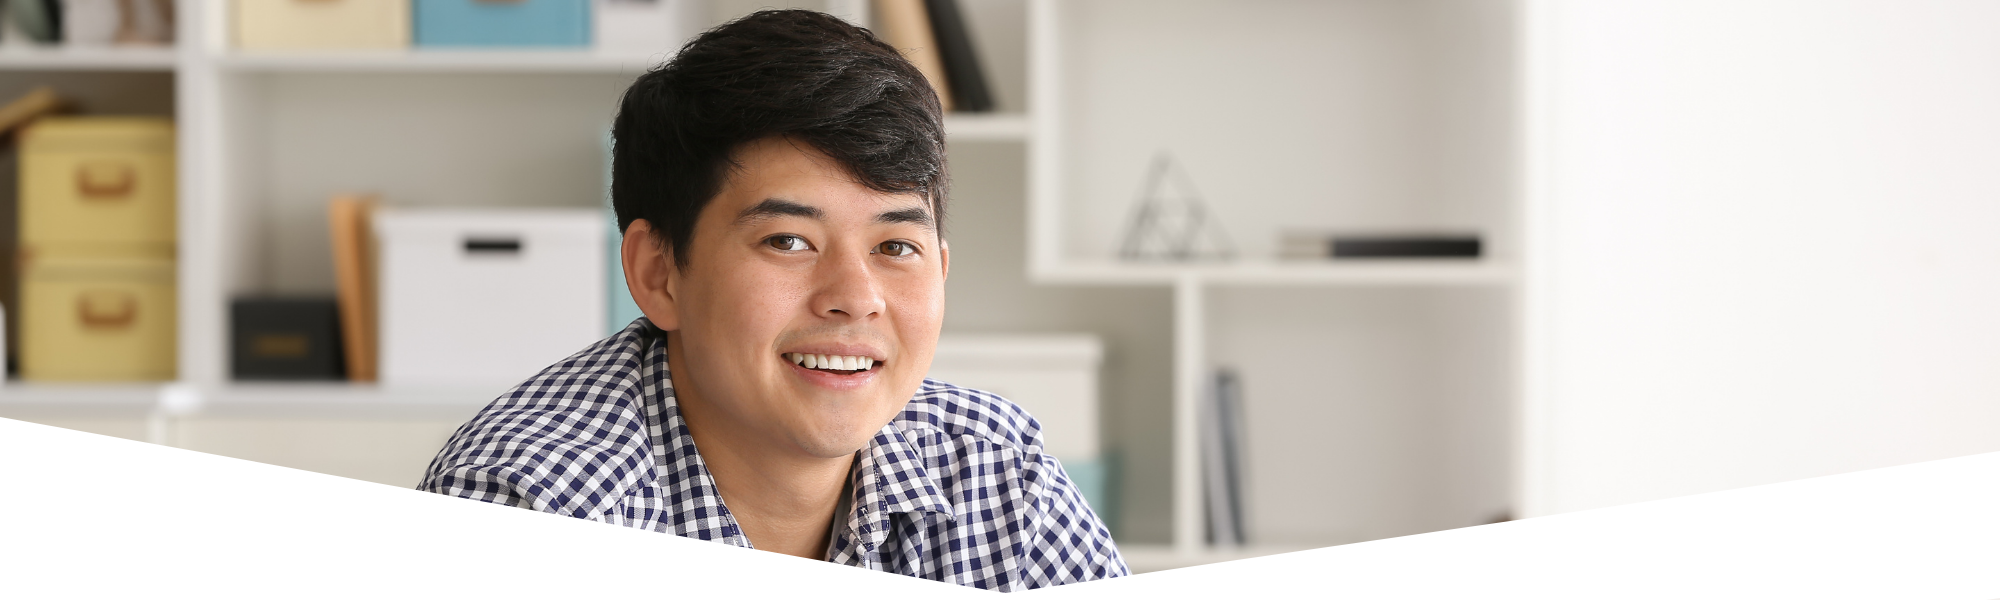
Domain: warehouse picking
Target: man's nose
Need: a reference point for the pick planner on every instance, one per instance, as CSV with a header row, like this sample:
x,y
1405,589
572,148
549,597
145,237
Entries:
x,y
848,285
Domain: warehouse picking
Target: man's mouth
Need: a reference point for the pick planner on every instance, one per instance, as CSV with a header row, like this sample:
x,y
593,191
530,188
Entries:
x,y
831,363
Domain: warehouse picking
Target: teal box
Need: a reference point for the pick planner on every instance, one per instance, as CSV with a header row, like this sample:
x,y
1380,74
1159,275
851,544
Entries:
x,y
502,22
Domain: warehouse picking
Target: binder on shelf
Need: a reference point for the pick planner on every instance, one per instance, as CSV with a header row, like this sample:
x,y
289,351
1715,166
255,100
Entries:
x,y
906,25
348,219
961,63
1221,455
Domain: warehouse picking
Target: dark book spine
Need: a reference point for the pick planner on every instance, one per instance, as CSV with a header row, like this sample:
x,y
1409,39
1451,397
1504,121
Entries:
x,y
1406,247
961,63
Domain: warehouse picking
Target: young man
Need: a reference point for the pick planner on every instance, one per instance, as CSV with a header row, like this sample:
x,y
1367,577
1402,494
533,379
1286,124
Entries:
x,y
781,186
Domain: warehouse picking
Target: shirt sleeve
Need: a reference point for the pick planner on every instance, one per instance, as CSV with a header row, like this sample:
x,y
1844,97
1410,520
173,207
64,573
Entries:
x,y
497,484
1070,543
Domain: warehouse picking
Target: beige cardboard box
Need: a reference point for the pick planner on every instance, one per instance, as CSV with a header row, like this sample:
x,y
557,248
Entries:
x,y
322,24
97,180
97,315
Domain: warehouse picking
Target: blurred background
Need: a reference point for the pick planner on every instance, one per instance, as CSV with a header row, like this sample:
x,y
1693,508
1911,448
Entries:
x,y
1273,274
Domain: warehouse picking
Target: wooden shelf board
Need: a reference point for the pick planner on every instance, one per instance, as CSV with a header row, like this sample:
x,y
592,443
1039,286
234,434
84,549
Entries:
x,y
132,400
341,400
1417,272
301,400
87,58
440,61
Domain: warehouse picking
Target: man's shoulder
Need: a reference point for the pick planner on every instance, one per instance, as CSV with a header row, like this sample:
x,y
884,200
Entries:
x,y
962,412
577,426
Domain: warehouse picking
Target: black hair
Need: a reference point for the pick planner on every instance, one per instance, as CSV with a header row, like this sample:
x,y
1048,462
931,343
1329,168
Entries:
x,y
800,74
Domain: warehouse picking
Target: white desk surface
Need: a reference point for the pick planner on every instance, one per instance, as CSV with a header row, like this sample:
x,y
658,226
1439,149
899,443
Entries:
x,y
86,515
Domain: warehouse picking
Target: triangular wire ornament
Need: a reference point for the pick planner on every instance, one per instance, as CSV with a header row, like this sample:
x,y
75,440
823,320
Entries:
x,y
1170,222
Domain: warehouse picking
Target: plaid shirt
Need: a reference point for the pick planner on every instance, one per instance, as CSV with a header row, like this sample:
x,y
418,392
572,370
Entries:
x,y
957,488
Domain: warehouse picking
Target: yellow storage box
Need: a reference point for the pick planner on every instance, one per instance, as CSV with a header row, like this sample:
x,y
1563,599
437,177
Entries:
x,y
322,24
96,316
95,180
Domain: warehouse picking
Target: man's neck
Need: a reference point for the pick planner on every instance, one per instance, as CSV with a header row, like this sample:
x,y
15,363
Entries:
x,y
784,501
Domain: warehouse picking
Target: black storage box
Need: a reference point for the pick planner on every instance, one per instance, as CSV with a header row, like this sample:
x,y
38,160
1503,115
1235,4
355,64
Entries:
x,y
285,338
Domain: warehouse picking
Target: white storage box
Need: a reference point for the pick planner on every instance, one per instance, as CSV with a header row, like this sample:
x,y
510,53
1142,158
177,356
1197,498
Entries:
x,y
1053,376
643,26
486,297
322,24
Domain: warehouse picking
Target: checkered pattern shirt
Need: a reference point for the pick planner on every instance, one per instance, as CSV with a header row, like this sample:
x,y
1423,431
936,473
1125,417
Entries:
x,y
957,488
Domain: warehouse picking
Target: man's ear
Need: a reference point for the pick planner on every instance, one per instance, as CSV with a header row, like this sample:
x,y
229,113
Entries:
x,y
944,256
650,274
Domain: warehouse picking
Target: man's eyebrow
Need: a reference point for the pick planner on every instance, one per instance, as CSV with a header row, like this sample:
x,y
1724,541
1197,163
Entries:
x,y
773,208
916,216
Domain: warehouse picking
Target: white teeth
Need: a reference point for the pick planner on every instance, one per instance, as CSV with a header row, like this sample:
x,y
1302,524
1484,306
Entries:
x,y
831,361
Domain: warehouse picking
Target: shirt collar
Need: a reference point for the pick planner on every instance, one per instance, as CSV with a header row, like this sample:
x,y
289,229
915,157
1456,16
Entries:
x,y
890,479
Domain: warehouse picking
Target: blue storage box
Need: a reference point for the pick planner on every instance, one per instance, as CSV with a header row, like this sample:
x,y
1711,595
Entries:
x,y
502,22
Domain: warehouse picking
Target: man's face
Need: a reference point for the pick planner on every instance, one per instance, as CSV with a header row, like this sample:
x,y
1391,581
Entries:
x,y
811,304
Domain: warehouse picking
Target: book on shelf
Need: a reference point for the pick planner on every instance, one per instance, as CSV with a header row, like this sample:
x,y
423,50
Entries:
x,y
961,63
1222,459
1313,245
354,269
906,25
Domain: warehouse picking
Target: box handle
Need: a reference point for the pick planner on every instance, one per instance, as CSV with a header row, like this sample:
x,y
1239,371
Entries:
x,y
106,180
107,309
492,246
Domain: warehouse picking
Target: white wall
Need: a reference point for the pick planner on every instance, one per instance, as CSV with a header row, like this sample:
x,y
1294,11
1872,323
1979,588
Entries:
x,y
1763,242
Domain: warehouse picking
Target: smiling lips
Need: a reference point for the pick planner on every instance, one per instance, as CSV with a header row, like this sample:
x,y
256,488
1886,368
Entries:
x,y
833,363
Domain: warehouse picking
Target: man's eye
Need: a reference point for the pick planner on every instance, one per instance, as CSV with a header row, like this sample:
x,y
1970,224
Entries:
x,y
896,248
791,243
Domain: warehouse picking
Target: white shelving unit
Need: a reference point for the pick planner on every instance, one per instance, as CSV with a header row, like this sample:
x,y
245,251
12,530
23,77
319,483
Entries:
x,y
1391,115
1373,113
